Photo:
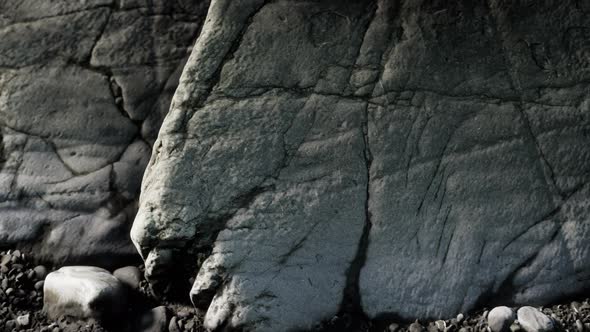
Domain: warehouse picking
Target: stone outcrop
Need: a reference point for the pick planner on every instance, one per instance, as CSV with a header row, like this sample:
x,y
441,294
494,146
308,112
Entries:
x,y
405,158
84,86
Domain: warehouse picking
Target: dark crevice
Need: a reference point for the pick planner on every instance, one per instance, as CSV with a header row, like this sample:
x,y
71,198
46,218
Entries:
x,y
3,157
49,143
444,260
545,165
298,245
11,191
98,37
514,80
351,306
117,95
442,230
546,217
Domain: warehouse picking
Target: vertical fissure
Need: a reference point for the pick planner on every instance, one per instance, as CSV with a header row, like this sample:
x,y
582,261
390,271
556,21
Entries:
x,y
352,302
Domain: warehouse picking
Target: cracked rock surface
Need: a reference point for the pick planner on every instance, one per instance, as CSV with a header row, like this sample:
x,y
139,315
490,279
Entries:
x,y
407,158
84,86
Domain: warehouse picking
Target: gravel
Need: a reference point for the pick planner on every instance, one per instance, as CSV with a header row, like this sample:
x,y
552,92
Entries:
x,y
21,304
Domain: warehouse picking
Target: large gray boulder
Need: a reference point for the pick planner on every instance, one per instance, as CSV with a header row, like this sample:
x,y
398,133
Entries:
x,y
410,158
84,86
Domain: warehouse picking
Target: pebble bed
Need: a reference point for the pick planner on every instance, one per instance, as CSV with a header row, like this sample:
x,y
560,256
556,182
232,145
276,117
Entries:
x,y
21,309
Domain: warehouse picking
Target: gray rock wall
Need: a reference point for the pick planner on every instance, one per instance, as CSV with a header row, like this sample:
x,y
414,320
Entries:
x,y
84,86
407,158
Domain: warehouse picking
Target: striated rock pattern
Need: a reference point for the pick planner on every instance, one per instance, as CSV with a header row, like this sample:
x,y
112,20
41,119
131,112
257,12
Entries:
x,y
84,86
406,158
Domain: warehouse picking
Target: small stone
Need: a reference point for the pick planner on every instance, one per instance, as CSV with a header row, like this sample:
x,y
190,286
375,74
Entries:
x,y
575,306
4,283
9,291
129,275
440,325
500,319
432,327
5,260
579,325
173,326
415,327
451,328
393,327
460,318
40,272
533,320
76,290
515,327
10,324
189,325
155,320
39,285
16,253
23,320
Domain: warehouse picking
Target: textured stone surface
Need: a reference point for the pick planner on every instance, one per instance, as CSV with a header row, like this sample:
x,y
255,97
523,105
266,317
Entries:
x,y
410,158
500,318
84,86
84,292
533,320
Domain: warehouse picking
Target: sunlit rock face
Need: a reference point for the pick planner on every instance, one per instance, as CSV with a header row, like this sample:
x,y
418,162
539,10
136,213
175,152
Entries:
x,y
84,86
415,158
405,158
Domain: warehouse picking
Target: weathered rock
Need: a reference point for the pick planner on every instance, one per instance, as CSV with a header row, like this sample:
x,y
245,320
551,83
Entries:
x,y
500,319
407,158
84,86
83,292
129,275
533,320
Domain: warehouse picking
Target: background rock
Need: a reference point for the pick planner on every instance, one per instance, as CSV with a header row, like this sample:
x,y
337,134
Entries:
x,y
84,86
416,159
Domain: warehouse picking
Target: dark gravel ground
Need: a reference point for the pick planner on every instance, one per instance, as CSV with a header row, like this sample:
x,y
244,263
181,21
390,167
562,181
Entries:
x,y
21,309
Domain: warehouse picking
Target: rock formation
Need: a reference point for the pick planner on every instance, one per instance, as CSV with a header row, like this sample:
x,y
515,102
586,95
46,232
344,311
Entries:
x,y
394,158
84,86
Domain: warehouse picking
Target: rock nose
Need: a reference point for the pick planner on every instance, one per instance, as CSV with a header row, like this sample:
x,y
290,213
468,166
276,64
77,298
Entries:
x,y
140,237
